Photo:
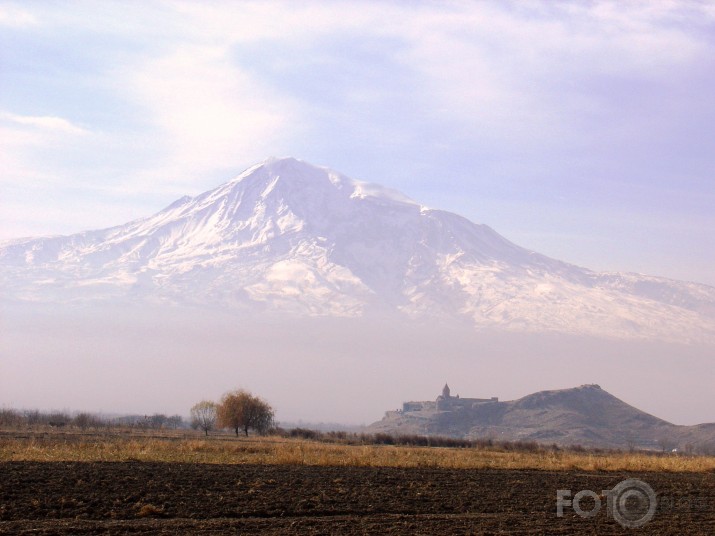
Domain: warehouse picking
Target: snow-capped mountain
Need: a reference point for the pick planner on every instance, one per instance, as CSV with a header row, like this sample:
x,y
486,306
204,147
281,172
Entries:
x,y
289,237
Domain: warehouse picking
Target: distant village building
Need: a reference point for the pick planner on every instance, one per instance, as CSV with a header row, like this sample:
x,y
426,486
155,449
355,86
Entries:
x,y
446,402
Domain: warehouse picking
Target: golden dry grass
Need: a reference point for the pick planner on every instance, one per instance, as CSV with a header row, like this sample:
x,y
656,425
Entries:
x,y
277,451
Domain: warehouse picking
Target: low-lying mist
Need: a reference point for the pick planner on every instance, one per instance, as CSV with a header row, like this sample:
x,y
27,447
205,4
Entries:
x,y
165,359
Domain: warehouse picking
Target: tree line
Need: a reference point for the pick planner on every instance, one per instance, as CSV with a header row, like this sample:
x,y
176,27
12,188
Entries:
x,y
60,419
239,411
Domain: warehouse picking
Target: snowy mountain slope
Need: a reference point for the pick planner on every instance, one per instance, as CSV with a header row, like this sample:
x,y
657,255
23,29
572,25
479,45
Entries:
x,y
290,237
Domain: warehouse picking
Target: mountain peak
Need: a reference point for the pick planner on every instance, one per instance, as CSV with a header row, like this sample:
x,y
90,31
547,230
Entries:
x,y
296,173
286,167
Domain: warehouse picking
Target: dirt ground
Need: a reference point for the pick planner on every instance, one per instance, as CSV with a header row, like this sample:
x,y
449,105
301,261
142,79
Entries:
x,y
175,498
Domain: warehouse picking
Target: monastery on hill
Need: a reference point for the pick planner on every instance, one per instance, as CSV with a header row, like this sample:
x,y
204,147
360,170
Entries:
x,y
446,402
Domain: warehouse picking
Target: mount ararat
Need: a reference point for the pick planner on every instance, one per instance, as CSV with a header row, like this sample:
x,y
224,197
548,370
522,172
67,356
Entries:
x,y
288,237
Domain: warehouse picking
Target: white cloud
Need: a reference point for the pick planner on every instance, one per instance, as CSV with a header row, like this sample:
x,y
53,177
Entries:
x,y
207,112
26,143
265,21
525,70
513,72
46,123
207,109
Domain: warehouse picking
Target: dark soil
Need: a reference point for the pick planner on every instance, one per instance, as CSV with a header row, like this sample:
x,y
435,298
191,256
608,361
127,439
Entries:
x,y
160,498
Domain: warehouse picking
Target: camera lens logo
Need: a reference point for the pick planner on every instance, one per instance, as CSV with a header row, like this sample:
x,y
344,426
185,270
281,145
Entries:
x,y
632,503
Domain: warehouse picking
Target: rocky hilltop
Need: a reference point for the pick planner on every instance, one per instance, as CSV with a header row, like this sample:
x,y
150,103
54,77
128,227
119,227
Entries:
x,y
585,415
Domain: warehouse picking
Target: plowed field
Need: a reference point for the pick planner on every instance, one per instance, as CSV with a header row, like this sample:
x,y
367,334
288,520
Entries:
x,y
176,498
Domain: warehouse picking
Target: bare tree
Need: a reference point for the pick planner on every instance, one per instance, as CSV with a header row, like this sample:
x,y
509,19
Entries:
x,y
58,419
203,415
240,410
175,421
158,420
82,420
667,443
32,416
87,420
10,417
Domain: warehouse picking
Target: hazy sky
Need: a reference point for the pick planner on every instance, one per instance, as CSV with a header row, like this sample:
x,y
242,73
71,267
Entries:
x,y
142,360
583,130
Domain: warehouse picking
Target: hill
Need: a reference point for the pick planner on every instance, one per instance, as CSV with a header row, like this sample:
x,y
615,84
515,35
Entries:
x,y
585,415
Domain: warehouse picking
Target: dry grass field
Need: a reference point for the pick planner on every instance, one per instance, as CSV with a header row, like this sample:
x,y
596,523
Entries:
x,y
187,447
72,482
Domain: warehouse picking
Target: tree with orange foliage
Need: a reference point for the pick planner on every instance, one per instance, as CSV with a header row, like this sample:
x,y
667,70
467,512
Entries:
x,y
240,410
